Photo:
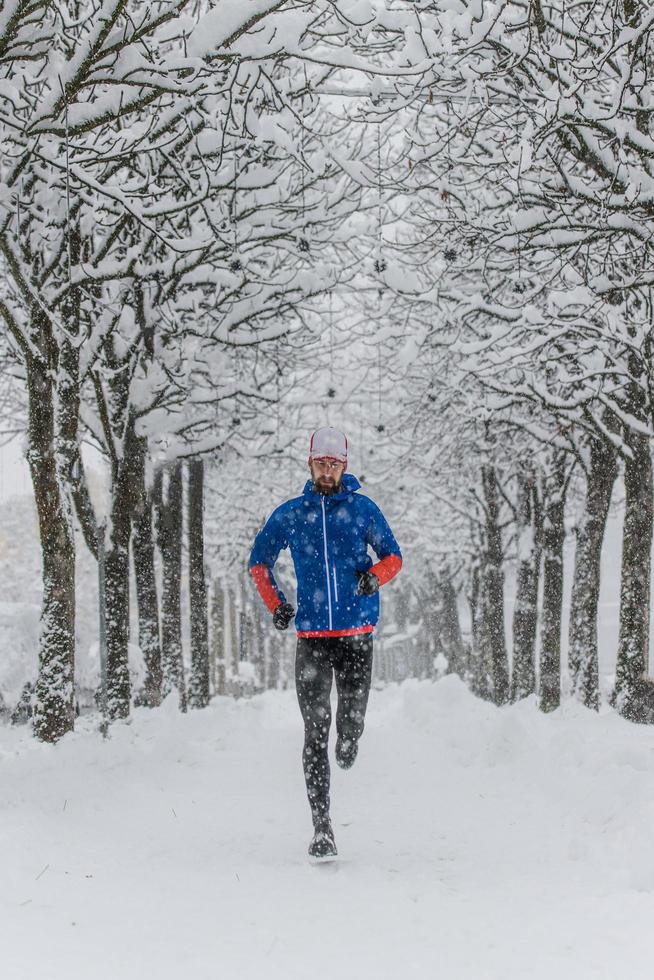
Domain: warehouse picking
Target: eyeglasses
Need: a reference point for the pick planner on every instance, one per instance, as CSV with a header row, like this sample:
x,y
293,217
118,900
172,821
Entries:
x,y
327,464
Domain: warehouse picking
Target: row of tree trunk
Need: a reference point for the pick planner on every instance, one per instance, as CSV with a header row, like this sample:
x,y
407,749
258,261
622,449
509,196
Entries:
x,y
540,535
144,522
246,655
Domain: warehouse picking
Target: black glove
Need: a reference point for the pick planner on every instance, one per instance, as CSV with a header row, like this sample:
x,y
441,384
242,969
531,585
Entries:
x,y
282,616
368,583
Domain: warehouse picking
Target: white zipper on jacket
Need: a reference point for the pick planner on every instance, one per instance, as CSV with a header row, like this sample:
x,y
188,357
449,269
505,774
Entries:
x,y
324,537
335,583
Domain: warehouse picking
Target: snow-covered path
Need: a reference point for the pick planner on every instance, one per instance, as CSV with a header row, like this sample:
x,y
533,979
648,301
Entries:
x,y
474,843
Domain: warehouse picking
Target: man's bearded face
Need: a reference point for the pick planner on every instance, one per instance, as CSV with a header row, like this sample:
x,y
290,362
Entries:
x,y
326,474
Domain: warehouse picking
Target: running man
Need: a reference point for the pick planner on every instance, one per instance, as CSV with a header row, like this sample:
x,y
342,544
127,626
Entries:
x,y
329,529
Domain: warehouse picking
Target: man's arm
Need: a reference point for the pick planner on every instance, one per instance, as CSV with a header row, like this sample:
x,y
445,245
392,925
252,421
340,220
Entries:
x,y
266,587
270,540
387,568
382,540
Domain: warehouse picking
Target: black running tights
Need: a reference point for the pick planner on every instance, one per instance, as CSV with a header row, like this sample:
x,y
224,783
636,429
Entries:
x,y
349,659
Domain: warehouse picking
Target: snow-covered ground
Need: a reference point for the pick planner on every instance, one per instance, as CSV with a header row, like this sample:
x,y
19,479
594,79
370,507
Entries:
x,y
474,842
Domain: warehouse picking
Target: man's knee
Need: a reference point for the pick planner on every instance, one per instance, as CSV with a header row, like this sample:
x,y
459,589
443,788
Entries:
x,y
316,730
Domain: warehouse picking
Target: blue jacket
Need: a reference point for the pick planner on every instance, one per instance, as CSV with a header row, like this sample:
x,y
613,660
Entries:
x,y
328,536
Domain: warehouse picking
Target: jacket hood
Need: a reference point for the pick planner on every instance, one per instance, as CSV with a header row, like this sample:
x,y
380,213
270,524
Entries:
x,y
349,484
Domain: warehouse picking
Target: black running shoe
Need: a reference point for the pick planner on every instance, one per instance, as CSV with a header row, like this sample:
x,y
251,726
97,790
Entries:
x,y
323,844
346,752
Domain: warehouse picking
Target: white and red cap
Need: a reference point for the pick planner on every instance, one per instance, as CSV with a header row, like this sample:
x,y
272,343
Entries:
x,y
328,443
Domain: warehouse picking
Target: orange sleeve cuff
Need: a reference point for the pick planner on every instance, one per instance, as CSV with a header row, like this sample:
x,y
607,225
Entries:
x,y
265,588
387,568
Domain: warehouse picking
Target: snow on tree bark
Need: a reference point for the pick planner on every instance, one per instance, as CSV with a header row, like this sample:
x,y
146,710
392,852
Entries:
x,y
258,649
117,606
143,549
148,608
168,499
480,675
582,638
199,681
553,541
492,591
525,613
54,707
218,635
234,648
445,626
635,583
125,452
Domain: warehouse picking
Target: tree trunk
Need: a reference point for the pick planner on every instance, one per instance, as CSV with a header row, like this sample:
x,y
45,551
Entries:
x,y
146,590
199,684
234,652
246,634
54,713
169,534
244,643
5,713
125,452
480,666
274,652
525,613
493,591
633,642
218,635
117,601
446,625
258,651
143,545
553,541
53,420
582,646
